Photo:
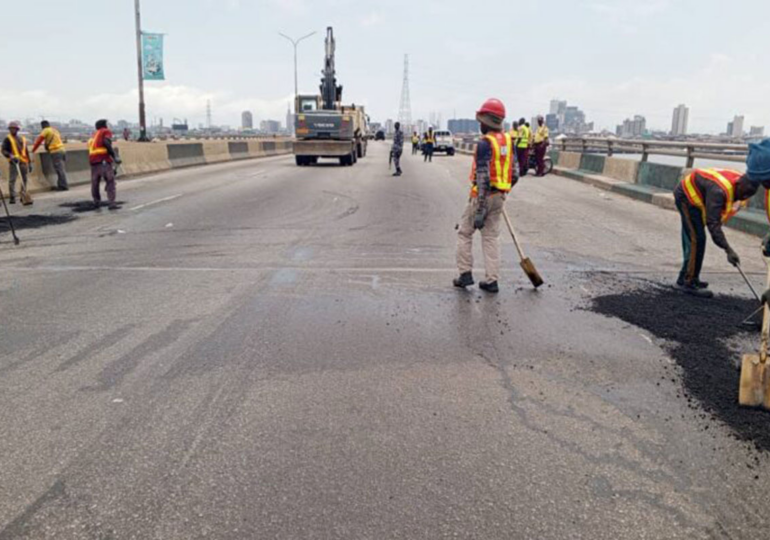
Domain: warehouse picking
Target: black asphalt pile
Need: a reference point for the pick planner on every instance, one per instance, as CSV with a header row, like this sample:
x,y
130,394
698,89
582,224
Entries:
x,y
86,206
696,334
34,221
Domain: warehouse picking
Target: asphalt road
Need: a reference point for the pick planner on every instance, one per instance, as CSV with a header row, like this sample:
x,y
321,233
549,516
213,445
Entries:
x,y
257,350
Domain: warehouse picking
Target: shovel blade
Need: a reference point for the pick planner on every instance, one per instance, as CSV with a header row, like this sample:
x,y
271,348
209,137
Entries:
x,y
754,388
532,273
26,199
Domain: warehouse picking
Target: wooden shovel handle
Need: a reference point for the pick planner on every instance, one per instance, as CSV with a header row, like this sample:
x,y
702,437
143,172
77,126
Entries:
x,y
516,241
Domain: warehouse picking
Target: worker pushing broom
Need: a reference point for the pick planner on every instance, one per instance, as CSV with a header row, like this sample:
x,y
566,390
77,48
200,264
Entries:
x,y
707,199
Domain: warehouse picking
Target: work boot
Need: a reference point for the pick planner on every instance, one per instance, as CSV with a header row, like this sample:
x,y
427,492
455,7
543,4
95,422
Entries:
x,y
489,286
12,200
465,280
694,290
701,284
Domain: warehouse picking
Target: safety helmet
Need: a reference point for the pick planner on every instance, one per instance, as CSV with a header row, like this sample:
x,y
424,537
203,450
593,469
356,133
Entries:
x,y
14,125
494,107
758,162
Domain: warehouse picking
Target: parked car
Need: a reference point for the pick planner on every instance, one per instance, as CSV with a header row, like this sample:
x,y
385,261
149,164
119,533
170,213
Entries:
x,y
444,142
379,136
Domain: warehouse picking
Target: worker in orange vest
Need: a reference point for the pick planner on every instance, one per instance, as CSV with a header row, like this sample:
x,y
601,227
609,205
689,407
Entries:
x,y
707,199
493,175
102,155
16,152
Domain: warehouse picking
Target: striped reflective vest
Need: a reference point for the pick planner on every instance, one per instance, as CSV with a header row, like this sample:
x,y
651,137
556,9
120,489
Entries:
x,y
524,134
501,165
20,154
726,180
96,149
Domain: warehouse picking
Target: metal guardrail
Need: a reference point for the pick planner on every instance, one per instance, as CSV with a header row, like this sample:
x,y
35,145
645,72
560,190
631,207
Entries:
x,y
689,150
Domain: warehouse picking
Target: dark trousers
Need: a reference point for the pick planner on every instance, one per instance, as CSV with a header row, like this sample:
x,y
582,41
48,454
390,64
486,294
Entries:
x,y
57,160
522,155
428,152
415,147
13,174
693,241
540,149
103,171
397,160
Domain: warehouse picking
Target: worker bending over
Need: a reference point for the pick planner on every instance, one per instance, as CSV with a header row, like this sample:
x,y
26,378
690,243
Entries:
x,y
707,199
492,177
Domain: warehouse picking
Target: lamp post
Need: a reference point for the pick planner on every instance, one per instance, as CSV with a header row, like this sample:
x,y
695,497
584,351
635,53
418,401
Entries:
x,y
295,42
142,116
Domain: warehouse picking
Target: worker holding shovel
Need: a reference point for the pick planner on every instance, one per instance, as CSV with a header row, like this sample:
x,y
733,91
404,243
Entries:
x,y
16,151
492,177
707,199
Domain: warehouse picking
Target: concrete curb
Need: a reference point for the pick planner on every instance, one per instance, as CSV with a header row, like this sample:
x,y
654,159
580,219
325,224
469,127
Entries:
x,y
749,221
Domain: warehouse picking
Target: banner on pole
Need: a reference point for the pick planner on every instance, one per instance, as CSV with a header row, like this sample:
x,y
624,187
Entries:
x,y
152,57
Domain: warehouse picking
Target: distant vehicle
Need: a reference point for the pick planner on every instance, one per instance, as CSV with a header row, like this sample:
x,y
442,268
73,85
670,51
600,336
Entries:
x,y
444,142
379,136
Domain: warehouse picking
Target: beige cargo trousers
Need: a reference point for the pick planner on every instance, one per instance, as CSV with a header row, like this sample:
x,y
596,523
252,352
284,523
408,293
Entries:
x,y
490,237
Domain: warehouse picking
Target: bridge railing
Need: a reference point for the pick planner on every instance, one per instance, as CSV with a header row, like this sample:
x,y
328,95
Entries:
x,y
688,150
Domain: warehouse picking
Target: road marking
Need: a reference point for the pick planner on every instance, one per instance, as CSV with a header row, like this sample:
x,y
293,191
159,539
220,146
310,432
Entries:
x,y
164,199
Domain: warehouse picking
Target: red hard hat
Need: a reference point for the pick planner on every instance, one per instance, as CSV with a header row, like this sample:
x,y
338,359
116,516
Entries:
x,y
494,107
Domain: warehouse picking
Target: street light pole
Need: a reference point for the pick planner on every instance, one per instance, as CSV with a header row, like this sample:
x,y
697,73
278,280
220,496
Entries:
x,y
295,42
142,116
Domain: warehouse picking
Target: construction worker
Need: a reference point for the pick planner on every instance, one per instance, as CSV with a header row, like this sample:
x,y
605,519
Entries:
x,y
398,148
430,140
524,134
415,142
101,155
707,199
16,152
55,147
541,145
492,177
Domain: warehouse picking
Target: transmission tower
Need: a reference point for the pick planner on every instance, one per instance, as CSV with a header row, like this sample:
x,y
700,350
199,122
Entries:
x,y
405,109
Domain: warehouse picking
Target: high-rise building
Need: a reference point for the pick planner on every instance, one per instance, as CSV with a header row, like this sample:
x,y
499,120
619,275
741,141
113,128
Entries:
x,y
463,125
389,126
735,128
247,120
757,131
271,127
289,121
557,107
679,122
632,128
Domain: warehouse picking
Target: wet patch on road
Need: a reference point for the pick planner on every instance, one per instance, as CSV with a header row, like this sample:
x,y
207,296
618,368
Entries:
x,y
87,206
34,221
700,336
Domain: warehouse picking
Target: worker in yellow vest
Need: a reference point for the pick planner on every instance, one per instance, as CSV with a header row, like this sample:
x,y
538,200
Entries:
x,y
16,152
492,177
429,143
415,142
522,147
51,138
541,145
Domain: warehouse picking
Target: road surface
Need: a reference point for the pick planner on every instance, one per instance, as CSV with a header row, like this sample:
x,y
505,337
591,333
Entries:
x,y
258,350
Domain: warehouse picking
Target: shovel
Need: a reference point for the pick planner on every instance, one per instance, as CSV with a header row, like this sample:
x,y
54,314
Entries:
x,y
25,197
10,221
755,380
526,264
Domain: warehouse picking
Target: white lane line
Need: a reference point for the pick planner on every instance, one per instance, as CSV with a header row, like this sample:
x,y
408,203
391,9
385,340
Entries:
x,y
164,199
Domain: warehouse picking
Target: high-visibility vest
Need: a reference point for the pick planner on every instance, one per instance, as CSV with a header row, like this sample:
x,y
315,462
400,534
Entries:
x,y
541,134
22,155
726,180
96,148
524,135
500,166
429,138
415,139
53,140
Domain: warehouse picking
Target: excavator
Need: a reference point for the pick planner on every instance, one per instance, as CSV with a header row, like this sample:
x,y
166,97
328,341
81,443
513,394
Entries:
x,y
324,127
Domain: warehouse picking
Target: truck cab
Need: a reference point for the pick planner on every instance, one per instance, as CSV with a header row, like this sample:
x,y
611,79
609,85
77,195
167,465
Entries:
x,y
444,142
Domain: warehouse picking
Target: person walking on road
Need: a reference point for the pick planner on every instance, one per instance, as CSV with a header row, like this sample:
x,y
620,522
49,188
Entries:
x,y
102,155
523,138
707,199
492,177
541,145
16,152
430,140
415,142
398,148
51,138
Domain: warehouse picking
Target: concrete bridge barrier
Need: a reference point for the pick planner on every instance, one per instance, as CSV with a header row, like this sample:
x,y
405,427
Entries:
x,y
238,149
661,176
186,154
592,163
143,158
621,169
215,151
569,160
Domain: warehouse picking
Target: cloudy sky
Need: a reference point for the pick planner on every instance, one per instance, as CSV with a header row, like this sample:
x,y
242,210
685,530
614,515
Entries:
x,y
614,58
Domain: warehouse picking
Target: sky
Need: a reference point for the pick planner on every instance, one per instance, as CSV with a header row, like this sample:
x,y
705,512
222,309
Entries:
x,y
613,58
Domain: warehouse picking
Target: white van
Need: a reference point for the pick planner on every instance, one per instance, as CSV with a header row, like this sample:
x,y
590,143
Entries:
x,y
444,142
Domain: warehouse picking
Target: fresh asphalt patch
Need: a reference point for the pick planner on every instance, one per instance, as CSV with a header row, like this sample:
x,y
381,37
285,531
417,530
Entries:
x,y
699,335
35,221
80,207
